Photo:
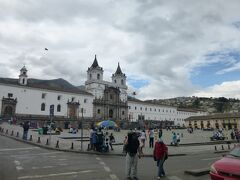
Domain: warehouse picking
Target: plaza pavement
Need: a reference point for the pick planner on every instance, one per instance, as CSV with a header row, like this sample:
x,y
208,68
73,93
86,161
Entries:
x,y
74,142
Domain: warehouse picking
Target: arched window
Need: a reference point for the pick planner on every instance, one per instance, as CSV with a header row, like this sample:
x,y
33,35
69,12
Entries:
x,y
98,76
122,81
59,108
23,81
43,107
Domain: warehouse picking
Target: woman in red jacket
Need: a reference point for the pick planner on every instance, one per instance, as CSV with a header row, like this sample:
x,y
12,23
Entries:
x,y
160,154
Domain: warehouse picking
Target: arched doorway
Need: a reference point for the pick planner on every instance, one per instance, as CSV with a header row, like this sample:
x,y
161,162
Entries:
x,y
8,111
110,113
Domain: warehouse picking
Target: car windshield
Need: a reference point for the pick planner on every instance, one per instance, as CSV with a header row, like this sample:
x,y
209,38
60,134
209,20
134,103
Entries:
x,y
235,152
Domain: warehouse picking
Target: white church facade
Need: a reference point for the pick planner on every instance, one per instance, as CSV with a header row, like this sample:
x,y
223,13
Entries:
x,y
28,98
31,98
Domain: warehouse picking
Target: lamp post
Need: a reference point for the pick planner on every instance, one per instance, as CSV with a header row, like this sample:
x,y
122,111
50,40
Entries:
x,y
51,112
82,130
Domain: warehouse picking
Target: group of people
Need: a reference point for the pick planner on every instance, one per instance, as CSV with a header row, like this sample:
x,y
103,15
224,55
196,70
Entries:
x,y
235,134
133,148
218,135
100,141
175,139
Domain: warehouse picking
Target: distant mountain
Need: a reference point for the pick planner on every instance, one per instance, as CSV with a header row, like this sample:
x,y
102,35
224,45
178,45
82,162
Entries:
x,y
211,105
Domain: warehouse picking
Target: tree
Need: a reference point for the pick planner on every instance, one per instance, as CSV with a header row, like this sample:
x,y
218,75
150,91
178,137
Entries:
x,y
196,103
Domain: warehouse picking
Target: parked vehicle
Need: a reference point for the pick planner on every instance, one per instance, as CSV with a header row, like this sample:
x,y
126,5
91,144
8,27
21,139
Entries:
x,y
227,168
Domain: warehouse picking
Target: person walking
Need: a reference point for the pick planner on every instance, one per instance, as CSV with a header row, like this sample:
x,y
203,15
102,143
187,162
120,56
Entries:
x,y
160,133
151,138
160,154
143,138
91,138
112,140
133,153
94,139
178,139
174,139
25,130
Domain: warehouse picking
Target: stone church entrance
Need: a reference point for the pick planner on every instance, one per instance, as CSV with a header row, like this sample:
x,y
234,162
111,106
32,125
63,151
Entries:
x,y
8,111
8,107
73,110
110,113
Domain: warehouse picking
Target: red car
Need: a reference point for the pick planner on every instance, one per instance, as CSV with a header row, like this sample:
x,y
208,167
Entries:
x,y
228,168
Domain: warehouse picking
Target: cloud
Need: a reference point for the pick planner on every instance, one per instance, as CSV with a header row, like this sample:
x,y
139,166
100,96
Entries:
x,y
158,42
225,89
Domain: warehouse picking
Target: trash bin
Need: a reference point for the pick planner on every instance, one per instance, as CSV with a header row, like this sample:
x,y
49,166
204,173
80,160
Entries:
x,y
40,131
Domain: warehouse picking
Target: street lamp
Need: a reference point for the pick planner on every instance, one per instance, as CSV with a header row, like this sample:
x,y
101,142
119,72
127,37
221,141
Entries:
x,y
82,130
51,113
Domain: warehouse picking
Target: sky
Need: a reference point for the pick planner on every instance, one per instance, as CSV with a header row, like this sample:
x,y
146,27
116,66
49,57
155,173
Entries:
x,y
166,48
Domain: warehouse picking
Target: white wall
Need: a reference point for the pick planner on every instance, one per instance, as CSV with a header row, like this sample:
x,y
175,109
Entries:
x,y
29,100
158,112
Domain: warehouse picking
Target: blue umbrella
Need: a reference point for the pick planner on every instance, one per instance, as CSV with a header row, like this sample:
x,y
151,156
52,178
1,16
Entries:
x,y
107,123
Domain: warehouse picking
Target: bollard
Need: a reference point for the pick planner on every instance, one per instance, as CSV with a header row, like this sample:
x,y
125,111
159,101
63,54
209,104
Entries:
x,y
39,140
222,147
12,133
57,145
47,143
215,148
7,131
17,134
229,146
71,146
30,139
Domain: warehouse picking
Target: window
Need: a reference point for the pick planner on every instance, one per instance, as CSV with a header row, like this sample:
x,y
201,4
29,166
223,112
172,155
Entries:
x,y
90,76
135,108
43,107
73,98
123,112
23,81
129,107
98,76
59,108
140,108
150,109
155,110
115,81
111,96
59,97
43,95
10,95
145,109
122,81
85,101
98,111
